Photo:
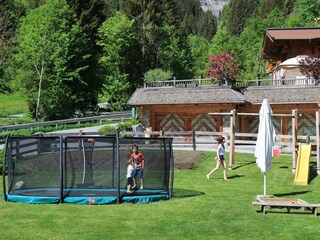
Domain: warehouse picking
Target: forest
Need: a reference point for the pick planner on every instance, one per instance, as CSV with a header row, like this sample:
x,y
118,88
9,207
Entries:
x,y
67,55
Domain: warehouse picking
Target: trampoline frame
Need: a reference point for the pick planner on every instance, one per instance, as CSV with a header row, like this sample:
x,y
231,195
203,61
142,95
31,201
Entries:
x,y
143,196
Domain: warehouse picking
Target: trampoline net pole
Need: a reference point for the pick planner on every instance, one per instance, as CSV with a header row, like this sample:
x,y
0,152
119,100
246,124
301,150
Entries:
x,y
62,168
4,170
84,162
118,165
88,154
171,168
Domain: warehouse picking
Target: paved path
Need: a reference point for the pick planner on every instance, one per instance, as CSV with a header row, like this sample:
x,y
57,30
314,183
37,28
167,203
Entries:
x,y
77,130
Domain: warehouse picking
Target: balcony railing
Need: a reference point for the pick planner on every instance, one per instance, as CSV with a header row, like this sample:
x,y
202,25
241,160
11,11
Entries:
x,y
204,82
276,82
182,83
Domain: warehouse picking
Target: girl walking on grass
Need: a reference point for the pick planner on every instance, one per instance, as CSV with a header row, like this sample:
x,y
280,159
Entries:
x,y
220,159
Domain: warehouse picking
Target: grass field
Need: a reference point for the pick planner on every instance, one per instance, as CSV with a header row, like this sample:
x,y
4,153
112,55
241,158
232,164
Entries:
x,y
200,209
11,104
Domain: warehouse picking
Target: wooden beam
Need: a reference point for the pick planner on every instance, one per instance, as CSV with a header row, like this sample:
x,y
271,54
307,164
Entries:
x,y
232,136
294,138
318,139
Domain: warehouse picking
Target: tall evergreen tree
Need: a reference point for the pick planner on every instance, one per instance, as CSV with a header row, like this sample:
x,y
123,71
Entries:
x,y
147,16
269,5
92,13
193,20
9,18
240,11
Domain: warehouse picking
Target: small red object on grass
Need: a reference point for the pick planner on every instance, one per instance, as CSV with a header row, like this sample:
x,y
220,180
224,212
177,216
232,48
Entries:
x,y
276,152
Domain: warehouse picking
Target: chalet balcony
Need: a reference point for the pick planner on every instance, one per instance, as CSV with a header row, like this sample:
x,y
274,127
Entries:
x,y
209,82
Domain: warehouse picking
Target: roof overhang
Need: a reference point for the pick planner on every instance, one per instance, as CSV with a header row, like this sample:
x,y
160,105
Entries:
x,y
277,39
178,96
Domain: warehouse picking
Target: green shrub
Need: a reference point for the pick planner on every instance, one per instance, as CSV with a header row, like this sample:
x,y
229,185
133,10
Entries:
x,y
108,129
158,75
125,126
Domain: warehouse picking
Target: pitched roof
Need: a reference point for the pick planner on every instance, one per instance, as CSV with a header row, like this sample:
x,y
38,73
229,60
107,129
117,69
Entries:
x,y
293,33
277,40
185,95
283,94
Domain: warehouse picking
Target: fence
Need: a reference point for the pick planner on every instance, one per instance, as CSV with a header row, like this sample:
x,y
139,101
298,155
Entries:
x,y
242,142
200,140
106,117
202,82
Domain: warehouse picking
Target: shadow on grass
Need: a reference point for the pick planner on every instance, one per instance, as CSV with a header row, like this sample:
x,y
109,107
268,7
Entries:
x,y
313,171
278,211
243,165
183,193
290,194
235,176
285,167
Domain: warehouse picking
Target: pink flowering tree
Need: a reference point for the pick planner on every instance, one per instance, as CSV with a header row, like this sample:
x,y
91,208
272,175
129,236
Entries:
x,y
223,68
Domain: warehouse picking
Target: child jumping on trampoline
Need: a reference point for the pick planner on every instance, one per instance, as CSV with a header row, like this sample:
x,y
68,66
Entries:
x,y
220,159
138,159
129,175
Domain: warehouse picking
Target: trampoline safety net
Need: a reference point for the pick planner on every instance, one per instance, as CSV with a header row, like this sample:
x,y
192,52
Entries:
x,y
85,169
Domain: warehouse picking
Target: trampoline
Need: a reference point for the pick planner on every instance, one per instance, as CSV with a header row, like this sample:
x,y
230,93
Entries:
x,y
84,169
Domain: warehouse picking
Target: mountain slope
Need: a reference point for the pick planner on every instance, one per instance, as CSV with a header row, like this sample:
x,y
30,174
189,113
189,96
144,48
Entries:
x,y
215,6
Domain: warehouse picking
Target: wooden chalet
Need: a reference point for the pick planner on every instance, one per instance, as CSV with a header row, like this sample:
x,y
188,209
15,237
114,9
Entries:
x,y
185,104
280,44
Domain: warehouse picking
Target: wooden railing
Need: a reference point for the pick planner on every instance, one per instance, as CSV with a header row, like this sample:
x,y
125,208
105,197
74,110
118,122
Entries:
x,y
202,82
182,83
112,116
199,140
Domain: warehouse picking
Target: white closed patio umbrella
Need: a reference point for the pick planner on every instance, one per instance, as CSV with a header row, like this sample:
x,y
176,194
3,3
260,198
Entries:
x,y
265,141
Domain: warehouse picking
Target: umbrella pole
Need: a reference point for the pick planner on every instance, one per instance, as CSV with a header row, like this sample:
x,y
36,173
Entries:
x,y
264,183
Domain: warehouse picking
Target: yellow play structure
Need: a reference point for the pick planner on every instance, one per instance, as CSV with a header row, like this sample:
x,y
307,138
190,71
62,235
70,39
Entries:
x,y
303,163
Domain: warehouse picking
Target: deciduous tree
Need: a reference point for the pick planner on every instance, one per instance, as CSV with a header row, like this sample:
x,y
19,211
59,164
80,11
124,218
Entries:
x,y
116,38
51,58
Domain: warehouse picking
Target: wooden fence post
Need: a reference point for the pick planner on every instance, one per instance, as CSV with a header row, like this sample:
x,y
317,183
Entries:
x,y
294,138
232,137
194,140
318,140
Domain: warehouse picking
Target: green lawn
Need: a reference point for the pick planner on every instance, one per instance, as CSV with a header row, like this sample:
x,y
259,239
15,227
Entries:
x,y
200,209
11,104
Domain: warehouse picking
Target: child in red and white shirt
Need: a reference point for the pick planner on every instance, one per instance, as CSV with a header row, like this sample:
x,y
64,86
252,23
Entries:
x,y
138,159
